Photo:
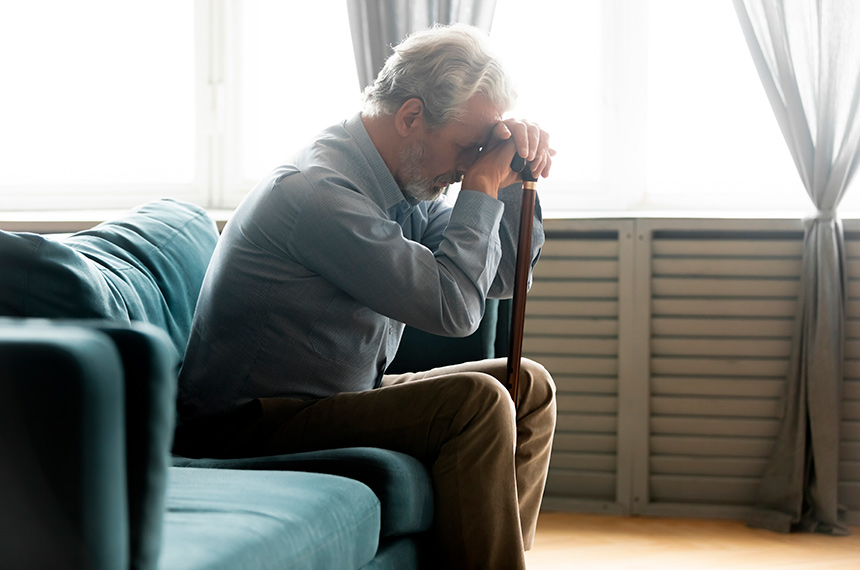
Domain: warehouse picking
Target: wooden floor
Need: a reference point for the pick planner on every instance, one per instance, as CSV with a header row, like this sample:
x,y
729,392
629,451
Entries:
x,y
580,541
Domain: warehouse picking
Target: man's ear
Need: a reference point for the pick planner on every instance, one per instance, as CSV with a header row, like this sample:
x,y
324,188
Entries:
x,y
409,119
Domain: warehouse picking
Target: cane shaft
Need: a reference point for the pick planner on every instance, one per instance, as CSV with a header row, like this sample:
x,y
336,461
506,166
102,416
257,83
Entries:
x,y
521,278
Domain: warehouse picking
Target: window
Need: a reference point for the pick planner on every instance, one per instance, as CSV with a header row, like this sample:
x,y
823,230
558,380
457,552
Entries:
x,y
115,103
295,75
98,102
556,87
712,138
652,105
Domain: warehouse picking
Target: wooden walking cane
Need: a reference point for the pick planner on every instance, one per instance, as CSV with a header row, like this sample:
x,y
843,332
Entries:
x,y
521,277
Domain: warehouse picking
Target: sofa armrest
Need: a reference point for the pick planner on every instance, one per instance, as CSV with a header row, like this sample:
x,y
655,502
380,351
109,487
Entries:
x,y
128,368
149,366
62,477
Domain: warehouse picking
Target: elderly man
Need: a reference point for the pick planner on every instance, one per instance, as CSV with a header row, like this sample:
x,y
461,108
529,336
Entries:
x,y
329,257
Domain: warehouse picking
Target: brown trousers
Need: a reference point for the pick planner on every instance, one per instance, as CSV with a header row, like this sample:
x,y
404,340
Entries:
x,y
488,462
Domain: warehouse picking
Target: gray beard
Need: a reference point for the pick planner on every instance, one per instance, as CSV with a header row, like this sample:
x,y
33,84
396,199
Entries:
x,y
411,181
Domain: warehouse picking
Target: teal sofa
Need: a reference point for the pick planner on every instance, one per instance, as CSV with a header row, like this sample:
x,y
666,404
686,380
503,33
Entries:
x,y
92,331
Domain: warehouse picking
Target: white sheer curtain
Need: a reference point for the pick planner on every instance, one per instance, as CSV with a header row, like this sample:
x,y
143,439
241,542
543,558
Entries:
x,y
807,53
379,24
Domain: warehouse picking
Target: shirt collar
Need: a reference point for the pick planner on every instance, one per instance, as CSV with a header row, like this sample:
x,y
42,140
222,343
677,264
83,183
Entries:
x,y
387,194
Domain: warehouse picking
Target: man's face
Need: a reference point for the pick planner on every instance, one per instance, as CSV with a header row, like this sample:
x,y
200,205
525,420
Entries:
x,y
443,155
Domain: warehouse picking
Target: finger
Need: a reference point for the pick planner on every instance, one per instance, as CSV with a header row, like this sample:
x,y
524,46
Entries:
x,y
538,140
531,137
537,166
542,147
501,131
540,166
519,132
551,152
546,168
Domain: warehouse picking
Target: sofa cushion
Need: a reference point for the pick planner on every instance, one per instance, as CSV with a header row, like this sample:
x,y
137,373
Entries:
x,y
146,266
228,519
400,481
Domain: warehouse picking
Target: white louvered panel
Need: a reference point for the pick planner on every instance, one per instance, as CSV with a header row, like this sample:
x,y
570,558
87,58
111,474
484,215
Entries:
x,y
849,464
667,287
722,311
716,386
720,427
724,327
572,329
572,326
713,446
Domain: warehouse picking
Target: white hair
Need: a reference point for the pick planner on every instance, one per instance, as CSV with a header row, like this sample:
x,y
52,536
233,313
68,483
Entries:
x,y
443,66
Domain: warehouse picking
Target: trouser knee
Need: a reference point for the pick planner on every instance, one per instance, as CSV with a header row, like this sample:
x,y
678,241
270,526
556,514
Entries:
x,y
492,400
539,385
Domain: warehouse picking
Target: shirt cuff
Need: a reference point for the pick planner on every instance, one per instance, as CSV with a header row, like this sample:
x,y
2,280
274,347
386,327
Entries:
x,y
477,210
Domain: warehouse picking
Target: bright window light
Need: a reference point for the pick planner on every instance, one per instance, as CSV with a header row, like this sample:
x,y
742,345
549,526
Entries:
x,y
712,139
297,76
651,105
97,92
554,52
561,93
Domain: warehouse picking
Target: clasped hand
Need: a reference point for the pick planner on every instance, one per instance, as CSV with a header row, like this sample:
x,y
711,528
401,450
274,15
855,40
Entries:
x,y
491,170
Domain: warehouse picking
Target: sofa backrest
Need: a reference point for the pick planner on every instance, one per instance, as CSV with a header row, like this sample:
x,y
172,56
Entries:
x,y
145,266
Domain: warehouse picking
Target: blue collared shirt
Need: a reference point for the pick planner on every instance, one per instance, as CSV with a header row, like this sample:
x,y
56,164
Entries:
x,y
322,264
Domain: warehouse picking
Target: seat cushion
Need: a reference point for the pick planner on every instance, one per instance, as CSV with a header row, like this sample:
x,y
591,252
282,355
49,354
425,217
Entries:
x,y
229,519
400,481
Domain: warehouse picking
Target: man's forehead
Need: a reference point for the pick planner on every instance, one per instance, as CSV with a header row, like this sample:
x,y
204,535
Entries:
x,y
479,116
482,109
